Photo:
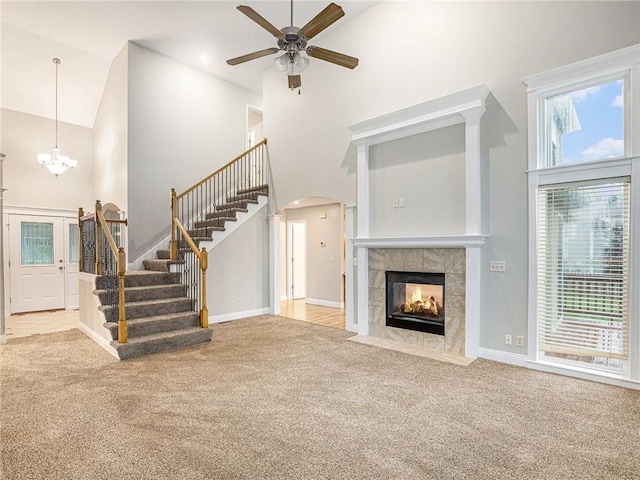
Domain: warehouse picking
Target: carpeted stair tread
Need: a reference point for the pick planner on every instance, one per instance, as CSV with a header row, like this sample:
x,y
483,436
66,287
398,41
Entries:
x,y
253,196
156,324
159,265
161,342
228,208
205,231
258,188
139,278
217,219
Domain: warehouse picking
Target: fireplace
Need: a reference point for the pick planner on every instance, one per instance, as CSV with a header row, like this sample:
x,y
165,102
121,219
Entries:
x,y
415,301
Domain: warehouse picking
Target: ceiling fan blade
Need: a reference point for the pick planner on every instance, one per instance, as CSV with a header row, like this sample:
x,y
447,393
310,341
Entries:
x,y
260,20
252,56
326,17
295,81
333,57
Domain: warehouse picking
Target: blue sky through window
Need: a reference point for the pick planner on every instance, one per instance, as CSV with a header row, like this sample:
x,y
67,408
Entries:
x,y
600,112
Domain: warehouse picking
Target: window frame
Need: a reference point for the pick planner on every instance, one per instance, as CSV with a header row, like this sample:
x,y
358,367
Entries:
x,y
620,64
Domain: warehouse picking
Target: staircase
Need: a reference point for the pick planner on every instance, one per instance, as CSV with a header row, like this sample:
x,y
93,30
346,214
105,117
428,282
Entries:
x,y
160,316
226,212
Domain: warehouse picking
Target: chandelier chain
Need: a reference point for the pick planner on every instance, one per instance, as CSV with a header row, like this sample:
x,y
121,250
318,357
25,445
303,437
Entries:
x,y
57,62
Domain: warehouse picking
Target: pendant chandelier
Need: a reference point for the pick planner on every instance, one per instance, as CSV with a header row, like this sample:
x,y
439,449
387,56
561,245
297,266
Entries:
x,y
56,163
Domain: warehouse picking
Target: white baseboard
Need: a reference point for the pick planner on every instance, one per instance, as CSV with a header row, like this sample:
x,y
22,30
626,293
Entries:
x,y
103,342
576,372
503,357
225,317
284,298
324,303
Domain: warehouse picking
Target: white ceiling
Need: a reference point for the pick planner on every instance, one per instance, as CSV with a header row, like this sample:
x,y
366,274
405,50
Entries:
x,y
87,35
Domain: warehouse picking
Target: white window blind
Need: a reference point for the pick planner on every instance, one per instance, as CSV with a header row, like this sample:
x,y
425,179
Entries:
x,y
583,243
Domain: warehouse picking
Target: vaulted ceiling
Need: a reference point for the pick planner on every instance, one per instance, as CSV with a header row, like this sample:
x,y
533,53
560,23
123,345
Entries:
x,y
87,35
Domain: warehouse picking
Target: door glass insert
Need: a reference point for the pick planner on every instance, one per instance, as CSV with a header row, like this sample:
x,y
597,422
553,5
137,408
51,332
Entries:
x,y
37,243
73,243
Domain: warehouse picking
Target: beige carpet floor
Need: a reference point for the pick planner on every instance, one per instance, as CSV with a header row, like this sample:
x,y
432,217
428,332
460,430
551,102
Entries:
x,y
274,398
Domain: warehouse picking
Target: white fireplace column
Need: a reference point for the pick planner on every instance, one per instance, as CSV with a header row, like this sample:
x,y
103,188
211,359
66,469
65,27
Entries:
x,y
466,107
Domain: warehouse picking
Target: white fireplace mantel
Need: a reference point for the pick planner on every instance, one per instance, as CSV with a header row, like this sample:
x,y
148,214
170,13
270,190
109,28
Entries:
x,y
453,241
466,107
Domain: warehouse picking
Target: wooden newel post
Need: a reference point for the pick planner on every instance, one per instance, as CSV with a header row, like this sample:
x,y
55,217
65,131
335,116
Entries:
x,y
204,312
173,246
98,239
80,215
122,319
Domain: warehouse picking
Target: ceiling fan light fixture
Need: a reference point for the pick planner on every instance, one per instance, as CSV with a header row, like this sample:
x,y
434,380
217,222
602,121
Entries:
x,y
292,41
301,62
283,62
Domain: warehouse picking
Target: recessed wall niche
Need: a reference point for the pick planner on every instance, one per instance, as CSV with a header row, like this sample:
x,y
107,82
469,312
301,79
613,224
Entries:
x,y
427,171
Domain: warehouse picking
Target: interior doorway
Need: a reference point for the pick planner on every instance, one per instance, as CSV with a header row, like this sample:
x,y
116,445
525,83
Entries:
x,y
296,259
255,132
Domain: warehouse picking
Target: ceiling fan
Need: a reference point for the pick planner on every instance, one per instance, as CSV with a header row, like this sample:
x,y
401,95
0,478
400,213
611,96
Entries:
x,y
293,41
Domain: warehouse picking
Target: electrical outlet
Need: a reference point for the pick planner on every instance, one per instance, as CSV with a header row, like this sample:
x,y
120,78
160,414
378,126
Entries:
x,y
401,202
498,266
508,340
394,202
232,304
519,341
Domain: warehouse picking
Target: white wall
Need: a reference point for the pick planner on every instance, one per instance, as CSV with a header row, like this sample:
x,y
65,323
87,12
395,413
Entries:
x,y
28,184
411,52
427,172
183,125
239,269
324,264
110,137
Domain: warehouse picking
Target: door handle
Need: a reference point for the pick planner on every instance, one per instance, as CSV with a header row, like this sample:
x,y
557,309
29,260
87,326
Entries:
x,y
61,267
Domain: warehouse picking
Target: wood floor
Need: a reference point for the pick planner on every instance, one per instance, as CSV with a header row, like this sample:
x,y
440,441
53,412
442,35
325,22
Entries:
x,y
326,316
26,324
33,323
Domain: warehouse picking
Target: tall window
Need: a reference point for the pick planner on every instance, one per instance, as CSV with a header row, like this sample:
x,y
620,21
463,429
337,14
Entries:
x,y
583,253
584,256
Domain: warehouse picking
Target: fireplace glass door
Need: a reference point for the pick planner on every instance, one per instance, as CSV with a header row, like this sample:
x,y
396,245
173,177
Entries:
x,y
415,301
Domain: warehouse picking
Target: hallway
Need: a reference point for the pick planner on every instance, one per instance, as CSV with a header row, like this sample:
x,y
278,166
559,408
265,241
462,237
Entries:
x,y
326,316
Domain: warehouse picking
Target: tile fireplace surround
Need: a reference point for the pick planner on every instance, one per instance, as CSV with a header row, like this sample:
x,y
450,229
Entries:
x,y
451,262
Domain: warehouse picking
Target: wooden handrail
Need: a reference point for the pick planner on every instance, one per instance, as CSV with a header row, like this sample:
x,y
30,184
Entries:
x,y
199,199
121,264
203,259
187,237
193,187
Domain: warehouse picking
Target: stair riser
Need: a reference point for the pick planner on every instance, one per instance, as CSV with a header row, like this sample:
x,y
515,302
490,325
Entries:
x,y
163,254
129,350
153,309
150,293
139,329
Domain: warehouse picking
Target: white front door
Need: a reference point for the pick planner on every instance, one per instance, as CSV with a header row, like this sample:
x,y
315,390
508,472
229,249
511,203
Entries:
x,y
37,265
